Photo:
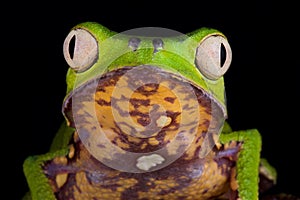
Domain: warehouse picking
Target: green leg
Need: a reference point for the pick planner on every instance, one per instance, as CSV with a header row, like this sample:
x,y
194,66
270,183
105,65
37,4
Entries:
x,y
37,181
248,161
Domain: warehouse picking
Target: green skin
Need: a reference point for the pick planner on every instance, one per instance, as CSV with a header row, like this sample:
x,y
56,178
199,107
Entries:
x,y
176,57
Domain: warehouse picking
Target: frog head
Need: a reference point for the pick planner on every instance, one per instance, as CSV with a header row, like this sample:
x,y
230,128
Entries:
x,y
134,97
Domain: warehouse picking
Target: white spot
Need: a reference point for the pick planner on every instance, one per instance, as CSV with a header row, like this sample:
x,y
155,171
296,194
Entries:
x,y
146,162
163,121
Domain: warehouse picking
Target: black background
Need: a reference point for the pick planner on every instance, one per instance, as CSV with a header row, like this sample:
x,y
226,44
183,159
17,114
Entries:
x,y
262,83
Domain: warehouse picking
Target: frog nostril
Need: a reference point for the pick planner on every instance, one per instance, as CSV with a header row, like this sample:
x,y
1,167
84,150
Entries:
x,y
134,43
157,44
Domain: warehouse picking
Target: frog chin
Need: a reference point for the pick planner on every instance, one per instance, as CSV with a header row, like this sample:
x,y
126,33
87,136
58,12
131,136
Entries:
x,y
132,113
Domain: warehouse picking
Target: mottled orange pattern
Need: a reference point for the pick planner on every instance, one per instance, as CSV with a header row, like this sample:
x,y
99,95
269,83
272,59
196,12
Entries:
x,y
80,176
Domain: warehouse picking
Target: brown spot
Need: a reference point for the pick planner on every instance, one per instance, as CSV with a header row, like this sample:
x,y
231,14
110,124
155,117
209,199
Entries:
x,y
199,139
102,102
170,99
139,102
148,89
142,118
143,121
100,145
205,191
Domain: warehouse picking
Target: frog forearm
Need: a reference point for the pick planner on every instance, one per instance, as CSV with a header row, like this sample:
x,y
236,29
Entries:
x,y
248,161
37,180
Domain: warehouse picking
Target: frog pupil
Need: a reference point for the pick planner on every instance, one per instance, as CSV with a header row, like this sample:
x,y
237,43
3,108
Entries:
x,y
222,55
72,46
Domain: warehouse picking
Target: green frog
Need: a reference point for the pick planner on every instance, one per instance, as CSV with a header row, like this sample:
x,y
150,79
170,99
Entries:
x,y
145,118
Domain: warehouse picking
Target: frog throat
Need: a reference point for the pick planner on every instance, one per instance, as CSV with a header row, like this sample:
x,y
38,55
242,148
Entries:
x,y
141,110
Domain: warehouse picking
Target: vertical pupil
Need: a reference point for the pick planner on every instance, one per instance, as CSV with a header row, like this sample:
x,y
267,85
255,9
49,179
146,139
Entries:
x,y
222,54
72,46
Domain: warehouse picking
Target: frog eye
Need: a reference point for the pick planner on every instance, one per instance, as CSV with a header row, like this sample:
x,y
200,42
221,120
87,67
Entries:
x,y
80,50
213,57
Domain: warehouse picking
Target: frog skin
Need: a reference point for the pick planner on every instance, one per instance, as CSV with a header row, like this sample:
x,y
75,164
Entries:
x,y
146,119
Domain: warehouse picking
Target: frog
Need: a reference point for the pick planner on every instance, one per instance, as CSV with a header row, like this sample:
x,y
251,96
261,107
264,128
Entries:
x,y
146,118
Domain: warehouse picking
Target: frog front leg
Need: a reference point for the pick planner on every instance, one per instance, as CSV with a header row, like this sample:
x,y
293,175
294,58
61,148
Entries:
x,y
246,177
38,183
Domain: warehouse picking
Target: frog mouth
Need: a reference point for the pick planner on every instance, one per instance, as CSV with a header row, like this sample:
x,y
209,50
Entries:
x,y
141,110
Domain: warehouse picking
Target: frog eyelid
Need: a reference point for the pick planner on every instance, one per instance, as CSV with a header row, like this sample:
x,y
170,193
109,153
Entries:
x,y
209,56
80,49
